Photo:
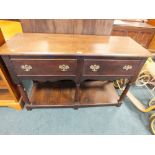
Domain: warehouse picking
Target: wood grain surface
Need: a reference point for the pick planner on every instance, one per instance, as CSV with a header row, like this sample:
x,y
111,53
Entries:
x,y
141,32
68,26
2,40
62,93
58,44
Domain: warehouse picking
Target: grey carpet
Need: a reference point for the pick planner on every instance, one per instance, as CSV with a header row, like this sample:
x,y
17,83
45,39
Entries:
x,y
94,120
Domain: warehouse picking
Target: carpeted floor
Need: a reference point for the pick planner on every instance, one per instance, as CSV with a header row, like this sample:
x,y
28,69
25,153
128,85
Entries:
x,y
97,120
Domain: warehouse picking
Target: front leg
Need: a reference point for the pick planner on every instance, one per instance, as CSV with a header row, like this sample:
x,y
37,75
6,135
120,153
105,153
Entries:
x,y
124,93
23,93
77,96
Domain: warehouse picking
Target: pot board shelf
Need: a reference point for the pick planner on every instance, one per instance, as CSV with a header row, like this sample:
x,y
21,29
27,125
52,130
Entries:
x,y
62,94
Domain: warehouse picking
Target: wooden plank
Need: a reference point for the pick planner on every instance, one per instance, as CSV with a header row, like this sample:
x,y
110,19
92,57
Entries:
x,y
60,44
18,105
2,84
62,93
68,26
10,87
5,95
2,40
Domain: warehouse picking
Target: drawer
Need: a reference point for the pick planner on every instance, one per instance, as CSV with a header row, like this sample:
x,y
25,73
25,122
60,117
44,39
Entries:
x,y
110,67
45,67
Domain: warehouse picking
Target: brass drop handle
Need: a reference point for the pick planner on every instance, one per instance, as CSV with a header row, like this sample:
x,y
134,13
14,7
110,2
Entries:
x,y
26,68
64,67
94,67
127,67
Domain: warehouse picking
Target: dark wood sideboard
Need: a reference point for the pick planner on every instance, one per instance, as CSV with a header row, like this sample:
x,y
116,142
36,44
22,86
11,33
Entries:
x,y
72,70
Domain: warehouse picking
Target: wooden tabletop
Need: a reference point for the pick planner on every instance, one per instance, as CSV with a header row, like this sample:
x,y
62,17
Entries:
x,y
60,44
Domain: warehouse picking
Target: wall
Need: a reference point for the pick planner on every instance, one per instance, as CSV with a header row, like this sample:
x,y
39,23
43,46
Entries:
x,y
69,26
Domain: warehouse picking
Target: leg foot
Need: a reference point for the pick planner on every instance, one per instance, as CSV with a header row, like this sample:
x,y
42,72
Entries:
x,y
119,104
76,108
28,108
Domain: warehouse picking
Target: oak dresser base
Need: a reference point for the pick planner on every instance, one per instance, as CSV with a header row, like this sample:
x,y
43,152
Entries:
x,y
72,70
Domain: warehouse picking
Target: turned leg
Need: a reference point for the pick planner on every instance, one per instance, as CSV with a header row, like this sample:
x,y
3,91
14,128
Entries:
x,y
77,96
124,93
23,93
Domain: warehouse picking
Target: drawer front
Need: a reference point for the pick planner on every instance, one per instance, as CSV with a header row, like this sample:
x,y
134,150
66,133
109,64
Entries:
x,y
110,67
45,67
